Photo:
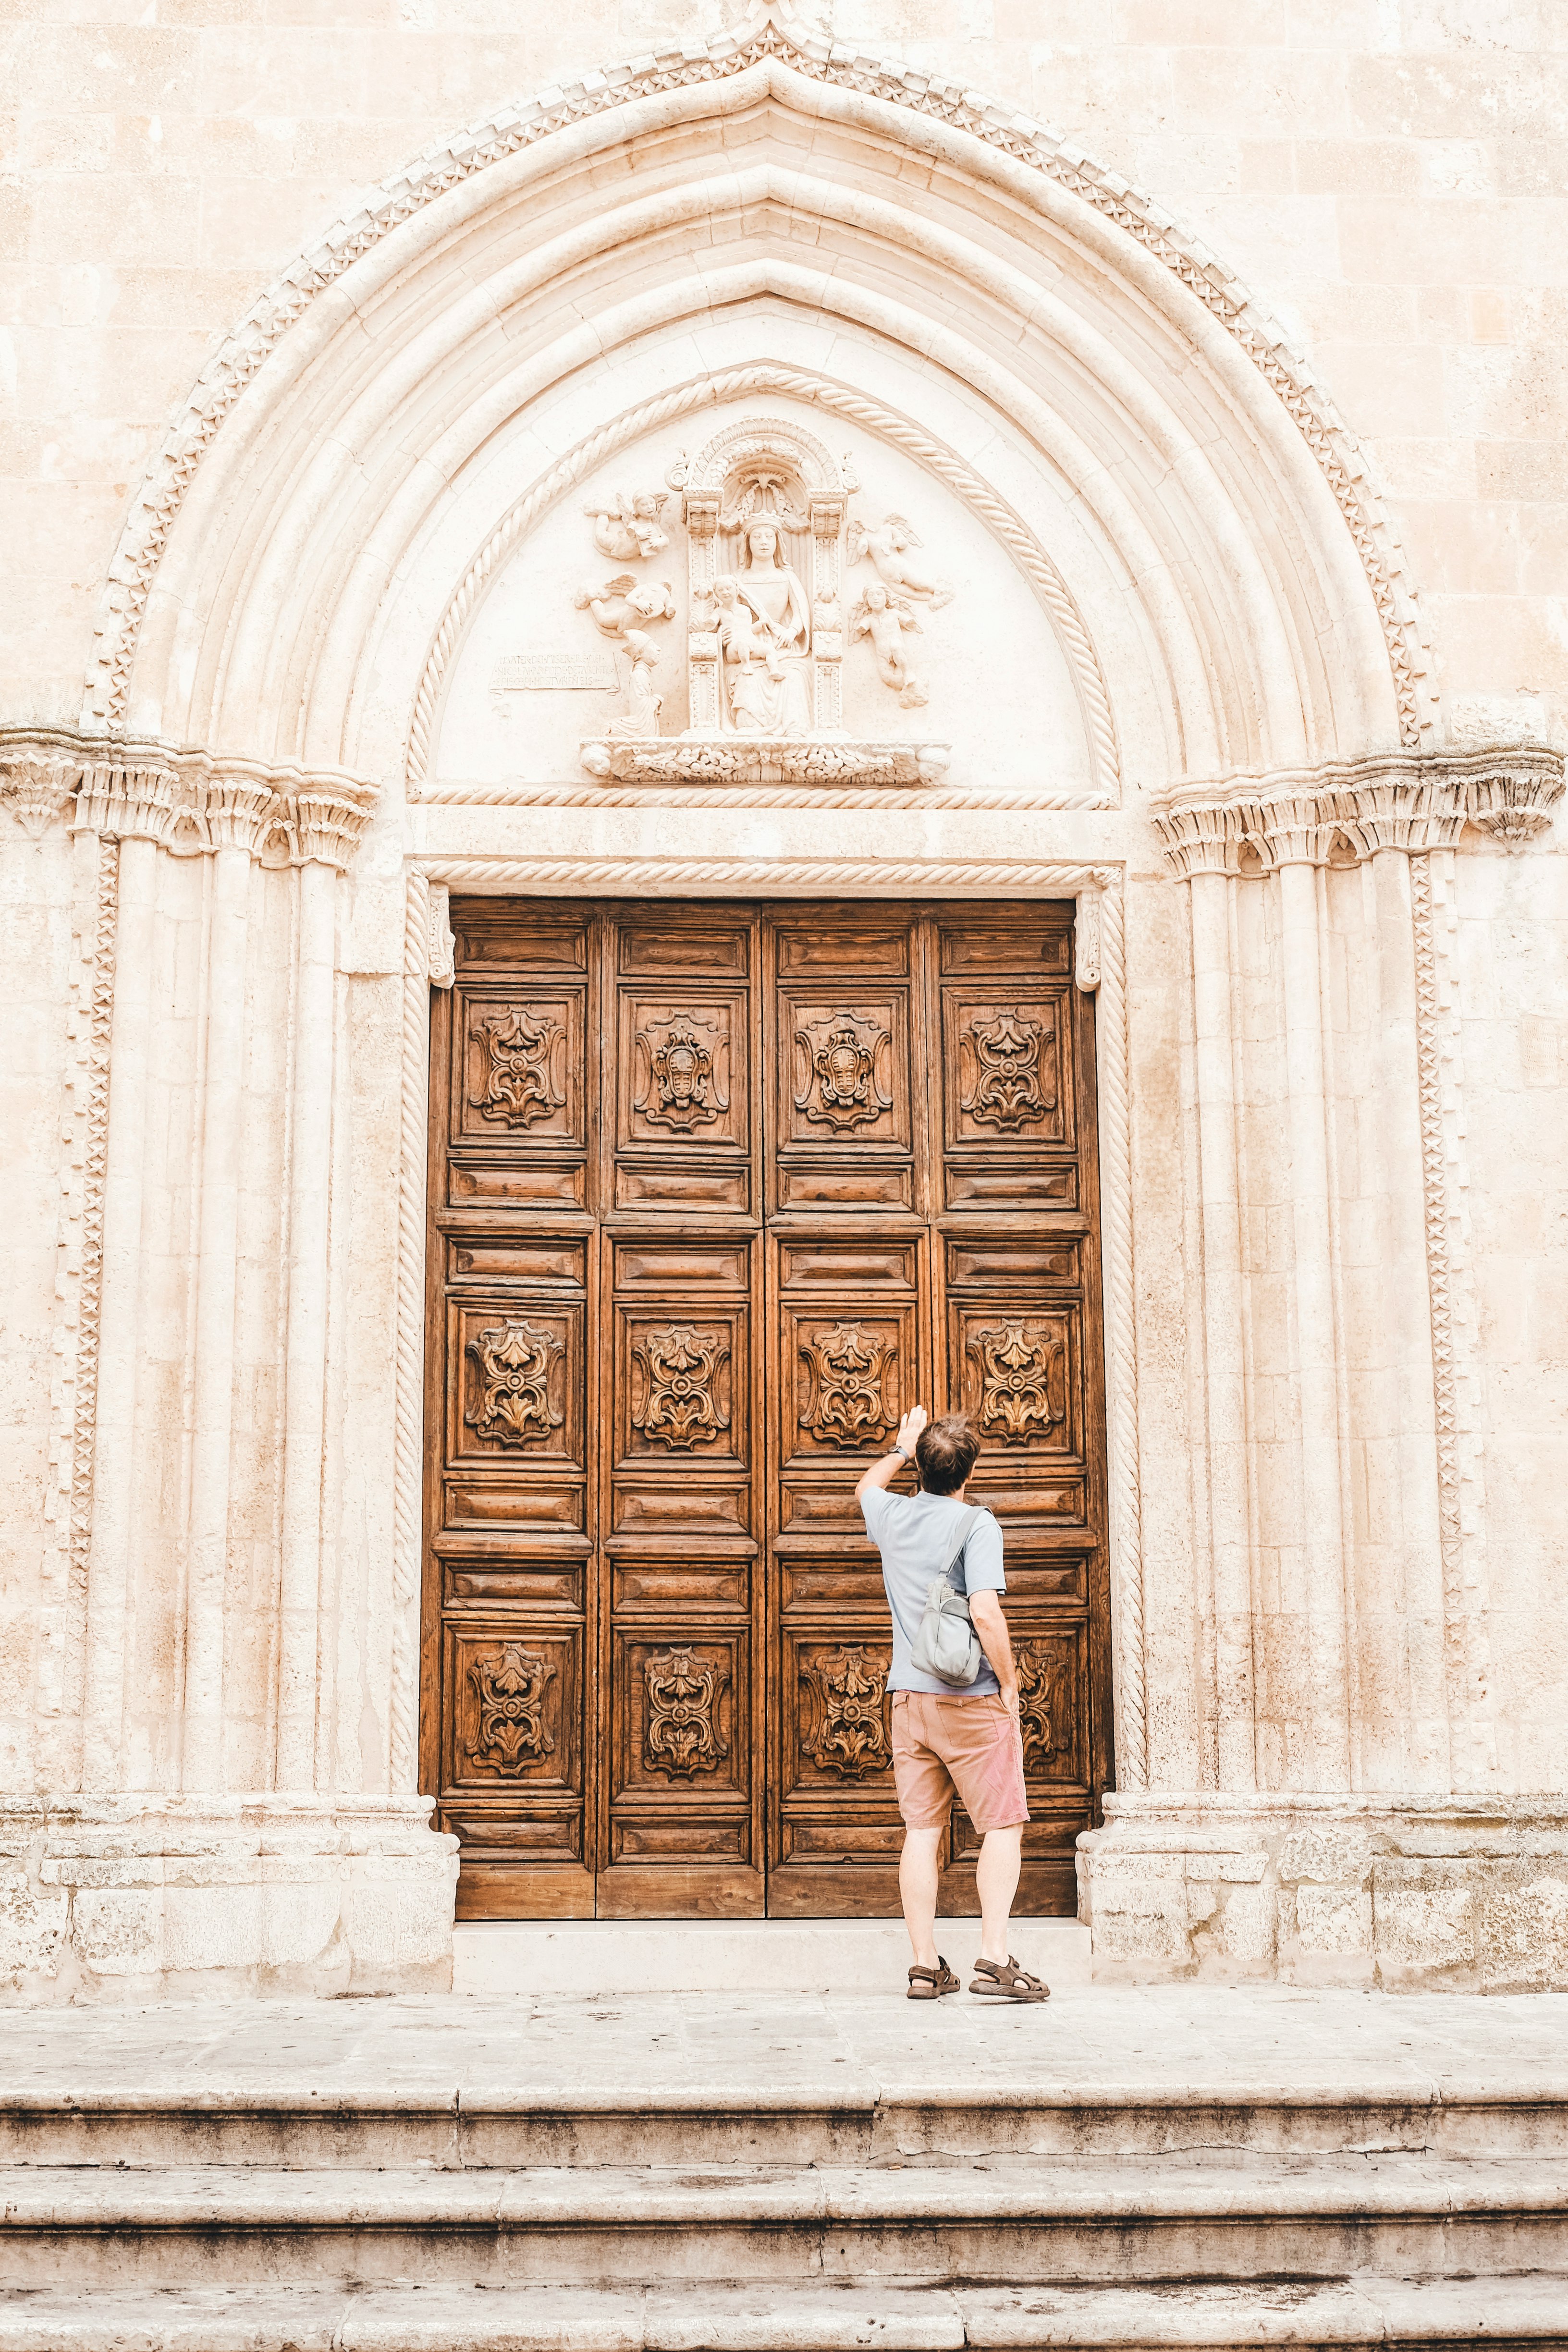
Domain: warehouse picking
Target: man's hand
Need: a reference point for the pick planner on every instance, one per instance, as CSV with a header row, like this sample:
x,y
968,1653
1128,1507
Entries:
x,y
883,1473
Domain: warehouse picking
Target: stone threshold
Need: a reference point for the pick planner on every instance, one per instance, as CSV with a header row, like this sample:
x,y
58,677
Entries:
x,y
598,1956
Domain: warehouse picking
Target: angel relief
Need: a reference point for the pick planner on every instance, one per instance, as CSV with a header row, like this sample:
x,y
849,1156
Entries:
x,y
627,531
888,544
884,619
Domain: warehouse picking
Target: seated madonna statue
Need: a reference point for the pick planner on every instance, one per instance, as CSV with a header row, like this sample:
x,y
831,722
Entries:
x,y
765,638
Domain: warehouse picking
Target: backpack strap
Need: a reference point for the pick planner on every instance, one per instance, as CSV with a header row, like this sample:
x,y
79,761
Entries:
x,y
971,1514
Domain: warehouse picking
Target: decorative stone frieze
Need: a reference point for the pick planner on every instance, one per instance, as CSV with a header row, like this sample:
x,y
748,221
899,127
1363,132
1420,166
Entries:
x,y
1349,810
765,759
191,801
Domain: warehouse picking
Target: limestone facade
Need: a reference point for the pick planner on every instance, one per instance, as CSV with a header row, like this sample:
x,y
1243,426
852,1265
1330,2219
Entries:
x,y
1192,383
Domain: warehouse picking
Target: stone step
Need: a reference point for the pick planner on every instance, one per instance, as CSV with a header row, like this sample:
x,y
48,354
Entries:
x,y
1104,2220
453,2130
414,2316
599,1957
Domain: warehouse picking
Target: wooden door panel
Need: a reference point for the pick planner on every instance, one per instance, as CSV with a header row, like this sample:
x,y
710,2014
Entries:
x,y
716,1193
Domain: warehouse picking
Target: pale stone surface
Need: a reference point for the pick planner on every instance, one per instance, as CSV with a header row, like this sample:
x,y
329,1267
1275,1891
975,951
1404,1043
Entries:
x,y
818,1956
1207,570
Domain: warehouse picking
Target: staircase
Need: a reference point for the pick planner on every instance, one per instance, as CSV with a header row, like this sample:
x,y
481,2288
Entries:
x,y
779,2174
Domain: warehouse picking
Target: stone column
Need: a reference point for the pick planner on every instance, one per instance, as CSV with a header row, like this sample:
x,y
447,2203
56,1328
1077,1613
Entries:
x,y
1296,843
236,811
1205,855
325,826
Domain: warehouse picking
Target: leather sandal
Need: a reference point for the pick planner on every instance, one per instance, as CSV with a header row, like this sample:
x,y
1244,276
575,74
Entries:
x,y
1007,1979
926,1984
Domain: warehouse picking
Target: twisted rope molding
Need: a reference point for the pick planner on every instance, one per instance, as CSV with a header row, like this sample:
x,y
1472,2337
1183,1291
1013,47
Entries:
x,y
867,878
446,164
773,796
408,1484
824,392
1132,1742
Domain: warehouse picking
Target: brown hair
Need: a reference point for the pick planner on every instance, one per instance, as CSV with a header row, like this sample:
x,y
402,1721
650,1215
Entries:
x,y
945,1452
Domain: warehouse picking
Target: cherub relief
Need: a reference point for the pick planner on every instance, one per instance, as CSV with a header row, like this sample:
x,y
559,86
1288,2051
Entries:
x,y
624,604
628,531
884,620
888,543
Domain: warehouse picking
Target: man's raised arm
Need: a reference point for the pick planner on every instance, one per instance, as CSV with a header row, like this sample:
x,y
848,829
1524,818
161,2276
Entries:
x,y
883,1473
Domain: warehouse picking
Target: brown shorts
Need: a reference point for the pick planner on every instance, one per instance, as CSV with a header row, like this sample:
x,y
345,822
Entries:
x,y
972,1745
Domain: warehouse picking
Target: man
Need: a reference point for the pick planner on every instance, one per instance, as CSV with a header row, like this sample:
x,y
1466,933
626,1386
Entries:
x,y
948,1737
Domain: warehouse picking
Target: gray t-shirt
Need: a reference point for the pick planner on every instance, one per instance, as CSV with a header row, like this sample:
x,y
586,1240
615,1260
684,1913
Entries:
x,y
915,1535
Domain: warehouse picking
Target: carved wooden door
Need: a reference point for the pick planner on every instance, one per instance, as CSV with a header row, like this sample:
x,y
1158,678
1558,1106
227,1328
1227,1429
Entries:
x,y
715,1191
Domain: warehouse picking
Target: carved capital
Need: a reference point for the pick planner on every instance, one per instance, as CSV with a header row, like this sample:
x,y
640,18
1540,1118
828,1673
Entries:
x,y
127,797
324,820
1203,837
237,812
1509,797
36,785
191,800
1349,810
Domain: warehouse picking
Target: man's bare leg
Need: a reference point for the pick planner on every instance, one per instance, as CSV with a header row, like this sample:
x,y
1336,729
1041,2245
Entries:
x,y
997,1881
917,1891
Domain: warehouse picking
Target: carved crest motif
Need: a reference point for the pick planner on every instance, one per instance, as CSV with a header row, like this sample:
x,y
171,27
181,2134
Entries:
x,y
510,1684
849,1734
1005,1086
680,1066
843,1088
846,1366
1020,1381
513,1360
681,1737
1036,1702
520,1057
676,1399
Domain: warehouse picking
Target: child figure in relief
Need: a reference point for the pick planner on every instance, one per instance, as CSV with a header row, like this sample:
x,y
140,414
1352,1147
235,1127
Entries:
x,y
628,528
884,618
765,635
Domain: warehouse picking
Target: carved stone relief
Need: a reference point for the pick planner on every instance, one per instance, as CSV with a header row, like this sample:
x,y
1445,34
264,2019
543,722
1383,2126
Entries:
x,y
1023,1371
888,544
885,618
764,508
845,1366
1004,1058
841,1058
522,1057
676,1399
628,530
849,1733
682,1736
513,1361
510,1684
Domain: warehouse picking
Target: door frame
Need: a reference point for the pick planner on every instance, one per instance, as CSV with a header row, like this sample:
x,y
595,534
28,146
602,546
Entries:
x,y
1099,969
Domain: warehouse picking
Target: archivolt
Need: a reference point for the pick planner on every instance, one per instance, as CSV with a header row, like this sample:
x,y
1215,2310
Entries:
x,y
796,384
277,500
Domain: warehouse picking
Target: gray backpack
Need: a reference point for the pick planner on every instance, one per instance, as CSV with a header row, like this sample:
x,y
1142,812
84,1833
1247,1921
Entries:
x,y
946,1645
